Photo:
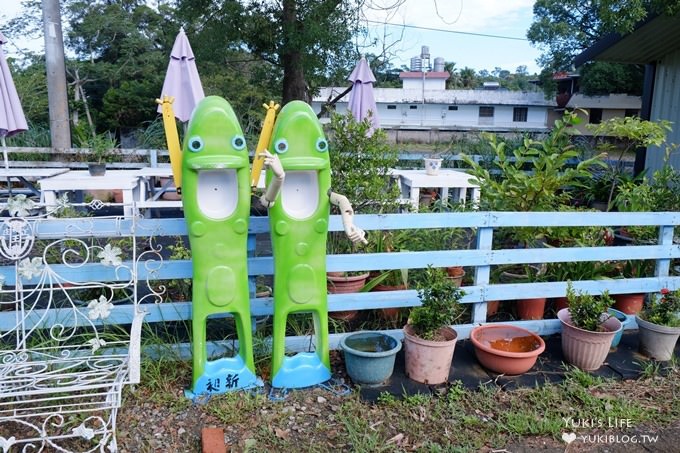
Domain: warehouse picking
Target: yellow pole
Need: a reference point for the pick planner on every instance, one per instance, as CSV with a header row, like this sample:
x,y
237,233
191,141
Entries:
x,y
172,138
263,142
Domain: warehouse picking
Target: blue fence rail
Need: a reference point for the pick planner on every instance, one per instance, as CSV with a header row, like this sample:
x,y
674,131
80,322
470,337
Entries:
x,y
480,258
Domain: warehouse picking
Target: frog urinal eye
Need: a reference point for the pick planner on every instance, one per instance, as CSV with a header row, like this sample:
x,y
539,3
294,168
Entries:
x,y
216,200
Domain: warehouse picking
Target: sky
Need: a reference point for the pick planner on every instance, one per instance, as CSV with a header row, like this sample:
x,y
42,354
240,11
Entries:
x,y
455,18
508,18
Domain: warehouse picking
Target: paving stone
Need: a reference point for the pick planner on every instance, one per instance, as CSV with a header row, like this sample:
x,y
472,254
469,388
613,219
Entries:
x,y
212,440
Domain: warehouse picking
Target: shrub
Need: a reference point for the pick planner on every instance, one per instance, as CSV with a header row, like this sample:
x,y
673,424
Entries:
x,y
588,312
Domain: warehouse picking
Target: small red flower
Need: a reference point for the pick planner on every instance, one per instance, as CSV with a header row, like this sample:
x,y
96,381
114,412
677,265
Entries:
x,y
665,291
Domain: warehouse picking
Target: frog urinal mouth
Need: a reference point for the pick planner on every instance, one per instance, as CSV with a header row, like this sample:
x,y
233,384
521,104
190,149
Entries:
x,y
299,142
215,158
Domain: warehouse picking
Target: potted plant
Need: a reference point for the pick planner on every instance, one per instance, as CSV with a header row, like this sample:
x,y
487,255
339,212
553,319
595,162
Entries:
x,y
659,325
587,329
100,149
429,341
387,280
533,174
527,308
631,303
577,270
343,283
433,163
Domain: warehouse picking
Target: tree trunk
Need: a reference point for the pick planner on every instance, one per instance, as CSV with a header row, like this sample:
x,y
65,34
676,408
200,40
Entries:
x,y
294,85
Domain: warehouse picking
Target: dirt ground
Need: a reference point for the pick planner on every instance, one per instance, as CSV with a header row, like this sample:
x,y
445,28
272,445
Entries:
x,y
157,417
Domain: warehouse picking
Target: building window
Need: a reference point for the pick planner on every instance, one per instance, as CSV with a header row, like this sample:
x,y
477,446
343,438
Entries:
x,y
486,112
453,107
595,116
519,114
391,107
413,107
632,112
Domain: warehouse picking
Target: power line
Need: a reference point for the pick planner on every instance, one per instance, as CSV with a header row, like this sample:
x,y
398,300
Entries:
x,y
514,38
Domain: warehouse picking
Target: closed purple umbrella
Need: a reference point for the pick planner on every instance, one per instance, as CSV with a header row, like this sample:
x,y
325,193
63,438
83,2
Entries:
x,y
12,118
361,99
181,80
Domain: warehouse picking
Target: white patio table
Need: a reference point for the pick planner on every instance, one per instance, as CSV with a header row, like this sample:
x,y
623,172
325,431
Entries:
x,y
28,176
411,181
125,180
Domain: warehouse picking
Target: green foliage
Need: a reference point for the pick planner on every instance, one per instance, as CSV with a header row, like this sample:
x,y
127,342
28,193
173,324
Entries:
x,y
603,184
588,312
565,28
37,136
122,51
656,194
360,163
152,136
100,148
533,176
440,299
664,310
633,131
181,288
578,237
30,80
601,78
306,42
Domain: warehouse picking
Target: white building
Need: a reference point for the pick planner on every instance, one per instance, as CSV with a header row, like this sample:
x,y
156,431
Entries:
x,y
424,103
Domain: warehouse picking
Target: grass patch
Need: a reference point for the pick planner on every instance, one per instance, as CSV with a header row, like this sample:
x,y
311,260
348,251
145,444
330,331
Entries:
x,y
456,420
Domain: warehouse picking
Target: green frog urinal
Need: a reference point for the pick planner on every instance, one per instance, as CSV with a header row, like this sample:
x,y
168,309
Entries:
x,y
216,200
299,197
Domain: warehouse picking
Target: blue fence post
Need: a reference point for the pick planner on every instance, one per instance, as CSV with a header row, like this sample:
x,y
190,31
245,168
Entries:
x,y
482,273
663,265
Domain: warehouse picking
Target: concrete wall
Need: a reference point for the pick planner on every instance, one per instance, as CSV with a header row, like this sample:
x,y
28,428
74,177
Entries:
x,y
418,115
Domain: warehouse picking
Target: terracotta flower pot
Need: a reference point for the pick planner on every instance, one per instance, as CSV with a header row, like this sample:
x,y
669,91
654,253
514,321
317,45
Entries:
x,y
528,309
630,304
560,303
506,349
117,195
456,273
585,349
429,362
338,283
492,307
391,314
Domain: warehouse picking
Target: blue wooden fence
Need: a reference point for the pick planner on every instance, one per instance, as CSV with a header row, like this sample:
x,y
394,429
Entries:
x,y
481,258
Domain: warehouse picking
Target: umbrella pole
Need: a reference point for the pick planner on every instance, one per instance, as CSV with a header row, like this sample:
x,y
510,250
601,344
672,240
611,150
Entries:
x,y
4,155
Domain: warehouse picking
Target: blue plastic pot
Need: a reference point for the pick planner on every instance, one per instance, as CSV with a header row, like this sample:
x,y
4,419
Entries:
x,y
625,320
369,356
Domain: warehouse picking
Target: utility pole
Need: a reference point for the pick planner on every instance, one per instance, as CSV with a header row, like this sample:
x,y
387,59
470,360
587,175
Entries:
x,y
57,96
